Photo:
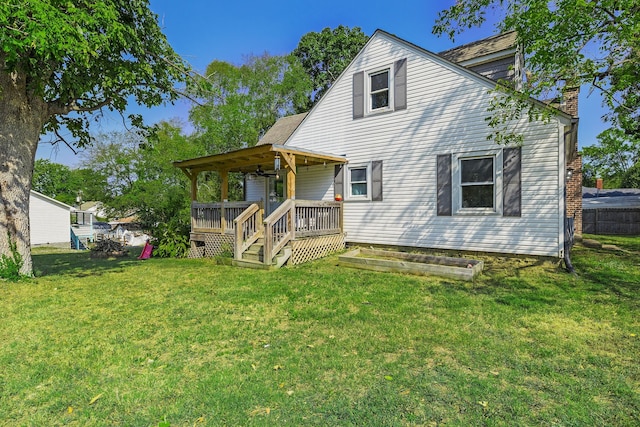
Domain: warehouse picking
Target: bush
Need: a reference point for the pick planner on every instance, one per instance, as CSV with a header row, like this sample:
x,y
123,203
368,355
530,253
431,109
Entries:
x,y
172,240
10,265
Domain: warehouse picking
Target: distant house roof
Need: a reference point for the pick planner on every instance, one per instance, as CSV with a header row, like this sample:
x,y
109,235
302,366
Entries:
x,y
281,130
491,46
131,219
592,198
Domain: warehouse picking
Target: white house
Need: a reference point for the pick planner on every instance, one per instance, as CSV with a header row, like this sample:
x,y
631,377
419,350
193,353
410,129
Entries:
x,y
400,140
49,220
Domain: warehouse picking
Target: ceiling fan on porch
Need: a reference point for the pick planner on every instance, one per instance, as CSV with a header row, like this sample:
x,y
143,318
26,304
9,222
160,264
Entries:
x,y
260,172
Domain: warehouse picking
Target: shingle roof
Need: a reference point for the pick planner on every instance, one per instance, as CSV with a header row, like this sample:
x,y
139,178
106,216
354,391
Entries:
x,y
281,130
480,48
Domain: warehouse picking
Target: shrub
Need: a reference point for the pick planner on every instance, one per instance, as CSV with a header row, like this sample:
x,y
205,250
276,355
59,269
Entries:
x,y
10,265
171,240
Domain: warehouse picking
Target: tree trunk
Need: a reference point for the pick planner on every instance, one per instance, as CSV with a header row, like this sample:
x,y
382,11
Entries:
x,y
22,117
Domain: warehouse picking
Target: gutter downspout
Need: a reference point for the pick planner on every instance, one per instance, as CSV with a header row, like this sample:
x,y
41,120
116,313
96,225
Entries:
x,y
569,230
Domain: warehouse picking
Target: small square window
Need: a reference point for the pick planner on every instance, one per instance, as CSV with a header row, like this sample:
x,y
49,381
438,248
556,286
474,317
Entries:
x,y
379,89
358,182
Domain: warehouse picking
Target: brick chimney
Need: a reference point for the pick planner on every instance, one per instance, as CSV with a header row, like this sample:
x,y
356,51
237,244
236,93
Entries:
x,y
570,100
574,162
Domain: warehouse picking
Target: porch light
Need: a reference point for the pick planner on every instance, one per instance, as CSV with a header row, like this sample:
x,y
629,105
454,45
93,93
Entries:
x,y
276,162
569,174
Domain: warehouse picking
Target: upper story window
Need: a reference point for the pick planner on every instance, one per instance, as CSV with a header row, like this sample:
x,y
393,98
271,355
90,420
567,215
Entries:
x,y
477,179
379,84
381,89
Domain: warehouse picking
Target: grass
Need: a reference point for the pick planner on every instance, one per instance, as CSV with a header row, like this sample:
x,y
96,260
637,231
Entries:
x,y
191,343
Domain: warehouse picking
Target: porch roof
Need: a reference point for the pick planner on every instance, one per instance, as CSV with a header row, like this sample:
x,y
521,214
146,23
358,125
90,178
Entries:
x,y
248,159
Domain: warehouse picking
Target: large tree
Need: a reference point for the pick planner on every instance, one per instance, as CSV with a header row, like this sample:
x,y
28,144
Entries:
x,y
139,175
567,43
239,103
61,61
326,54
612,158
63,183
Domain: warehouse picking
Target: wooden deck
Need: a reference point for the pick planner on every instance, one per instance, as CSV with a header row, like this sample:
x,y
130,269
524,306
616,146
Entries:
x,y
299,230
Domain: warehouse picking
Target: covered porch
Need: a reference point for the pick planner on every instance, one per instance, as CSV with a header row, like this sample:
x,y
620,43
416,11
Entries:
x,y
270,231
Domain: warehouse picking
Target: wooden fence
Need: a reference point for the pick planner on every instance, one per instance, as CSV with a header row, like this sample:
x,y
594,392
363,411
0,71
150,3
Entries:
x,y
619,221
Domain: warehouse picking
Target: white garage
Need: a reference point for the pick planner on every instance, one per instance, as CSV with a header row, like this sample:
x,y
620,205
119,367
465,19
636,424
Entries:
x,y
50,220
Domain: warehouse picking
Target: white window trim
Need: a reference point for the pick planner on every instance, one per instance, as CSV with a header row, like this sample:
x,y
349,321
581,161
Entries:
x,y
358,197
497,183
368,93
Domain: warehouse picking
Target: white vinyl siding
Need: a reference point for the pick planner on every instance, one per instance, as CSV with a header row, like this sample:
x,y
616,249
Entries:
x,y
445,114
49,221
314,182
255,190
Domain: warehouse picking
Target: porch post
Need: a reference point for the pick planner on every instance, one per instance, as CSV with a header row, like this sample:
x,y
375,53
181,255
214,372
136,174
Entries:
x,y
291,178
193,178
224,185
224,196
194,186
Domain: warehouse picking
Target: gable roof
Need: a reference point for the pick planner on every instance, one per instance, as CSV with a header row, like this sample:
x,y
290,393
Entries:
x,y
498,41
498,46
281,130
50,200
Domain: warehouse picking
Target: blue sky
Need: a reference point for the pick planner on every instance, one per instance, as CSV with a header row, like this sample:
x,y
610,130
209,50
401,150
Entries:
x,y
204,30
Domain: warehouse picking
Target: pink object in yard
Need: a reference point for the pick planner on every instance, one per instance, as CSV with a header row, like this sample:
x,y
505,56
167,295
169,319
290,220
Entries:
x,y
146,251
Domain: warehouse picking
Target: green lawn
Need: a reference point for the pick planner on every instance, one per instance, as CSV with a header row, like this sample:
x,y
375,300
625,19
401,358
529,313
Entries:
x,y
191,343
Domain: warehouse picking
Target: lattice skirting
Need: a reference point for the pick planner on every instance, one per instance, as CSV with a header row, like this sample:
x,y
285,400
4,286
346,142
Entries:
x,y
195,252
315,247
214,244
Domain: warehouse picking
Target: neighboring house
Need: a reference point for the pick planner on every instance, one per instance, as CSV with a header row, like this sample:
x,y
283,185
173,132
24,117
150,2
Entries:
x,y
400,143
96,208
49,221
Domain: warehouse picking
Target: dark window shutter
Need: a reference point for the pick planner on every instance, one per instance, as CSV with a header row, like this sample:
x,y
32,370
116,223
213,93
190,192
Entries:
x,y
376,181
338,181
511,185
444,185
400,85
358,95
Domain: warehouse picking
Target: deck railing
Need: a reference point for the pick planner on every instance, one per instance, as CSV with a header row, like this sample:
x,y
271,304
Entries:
x,y
292,219
248,228
316,218
216,217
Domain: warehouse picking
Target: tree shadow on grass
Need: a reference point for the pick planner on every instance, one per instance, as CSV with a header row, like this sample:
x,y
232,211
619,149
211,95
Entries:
x,y
537,283
80,263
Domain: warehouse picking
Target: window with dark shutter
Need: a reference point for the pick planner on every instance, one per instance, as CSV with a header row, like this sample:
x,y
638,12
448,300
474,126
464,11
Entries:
x,y
511,182
376,181
444,185
400,85
338,181
358,95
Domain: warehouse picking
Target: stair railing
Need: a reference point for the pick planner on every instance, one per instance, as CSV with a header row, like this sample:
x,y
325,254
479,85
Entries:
x,y
76,243
278,230
248,228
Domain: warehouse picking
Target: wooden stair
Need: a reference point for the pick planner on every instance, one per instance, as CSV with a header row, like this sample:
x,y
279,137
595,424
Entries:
x,y
253,257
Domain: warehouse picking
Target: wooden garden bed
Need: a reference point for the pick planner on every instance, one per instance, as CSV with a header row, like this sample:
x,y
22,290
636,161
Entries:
x,y
421,264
